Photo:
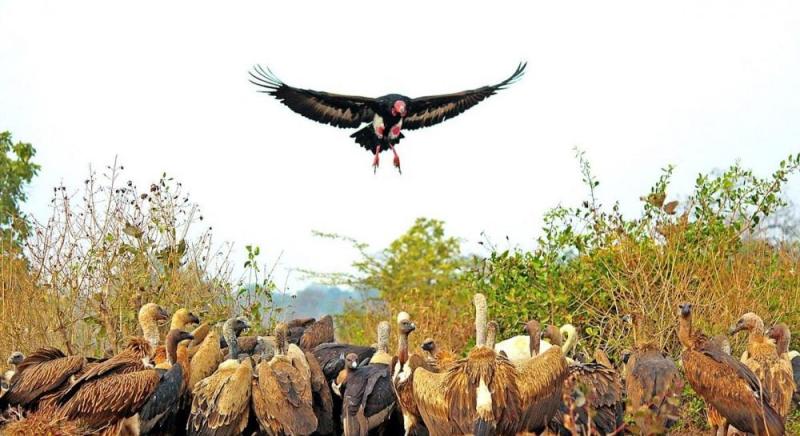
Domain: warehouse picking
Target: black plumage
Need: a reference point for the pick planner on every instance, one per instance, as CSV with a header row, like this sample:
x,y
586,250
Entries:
x,y
796,372
160,411
330,357
368,399
384,116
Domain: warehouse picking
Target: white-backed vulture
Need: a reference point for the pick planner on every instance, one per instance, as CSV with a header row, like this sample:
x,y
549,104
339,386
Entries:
x,y
138,400
221,401
43,372
476,395
382,349
436,358
518,348
403,366
600,389
181,319
783,337
13,360
282,398
149,316
233,345
725,383
540,381
652,381
206,359
774,373
135,357
319,332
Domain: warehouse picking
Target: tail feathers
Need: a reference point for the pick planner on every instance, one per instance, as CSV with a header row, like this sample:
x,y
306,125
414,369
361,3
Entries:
x,y
366,138
775,425
484,428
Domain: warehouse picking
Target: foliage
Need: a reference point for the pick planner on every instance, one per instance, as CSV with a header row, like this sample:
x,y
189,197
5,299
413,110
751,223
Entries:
x,y
108,248
418,273
16,170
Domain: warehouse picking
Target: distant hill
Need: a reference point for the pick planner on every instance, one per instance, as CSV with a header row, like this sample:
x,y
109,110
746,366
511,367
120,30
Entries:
x,y
315,301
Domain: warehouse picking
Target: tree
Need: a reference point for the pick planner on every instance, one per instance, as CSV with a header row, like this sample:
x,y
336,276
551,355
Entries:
x,y
419,273
16,170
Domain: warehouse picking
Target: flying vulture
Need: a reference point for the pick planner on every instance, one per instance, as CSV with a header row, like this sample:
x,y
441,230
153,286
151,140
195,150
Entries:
x,y
384,116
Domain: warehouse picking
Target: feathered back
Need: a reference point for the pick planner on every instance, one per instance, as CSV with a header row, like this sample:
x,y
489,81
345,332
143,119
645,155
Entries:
x,y
463,382
317,333
775,374
43,371
206,359
282,398
221,402
540,383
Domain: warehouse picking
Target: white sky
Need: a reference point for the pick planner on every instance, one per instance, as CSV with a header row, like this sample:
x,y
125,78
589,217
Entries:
x,y
163,85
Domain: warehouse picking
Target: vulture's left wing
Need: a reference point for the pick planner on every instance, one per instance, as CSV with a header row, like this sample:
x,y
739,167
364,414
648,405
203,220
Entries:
x,y
324,107
430,110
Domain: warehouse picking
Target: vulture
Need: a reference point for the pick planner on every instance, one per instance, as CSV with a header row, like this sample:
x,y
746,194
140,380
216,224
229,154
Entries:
x,y
221,401
150,315
403,366
540,380
782,336
774,373
476,395
135,357
331,357
518,348
319,332
383,117
232,343
206,359
13,360
725,383
652,381
297,327
382,347
180,320
282,397
43,372
368,399
140,401
322,400
200,332
436,358
595,383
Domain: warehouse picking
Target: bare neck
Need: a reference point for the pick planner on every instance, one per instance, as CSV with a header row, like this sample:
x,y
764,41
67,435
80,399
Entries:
x,y
402,348
150,331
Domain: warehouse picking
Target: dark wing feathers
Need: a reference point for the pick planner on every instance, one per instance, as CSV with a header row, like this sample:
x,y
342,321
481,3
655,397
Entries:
x,y
163,404
334,109
317,333
796,372
430,110
329,356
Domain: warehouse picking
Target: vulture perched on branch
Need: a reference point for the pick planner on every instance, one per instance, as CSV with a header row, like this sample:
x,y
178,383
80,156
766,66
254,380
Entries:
x,y
384,116
725,383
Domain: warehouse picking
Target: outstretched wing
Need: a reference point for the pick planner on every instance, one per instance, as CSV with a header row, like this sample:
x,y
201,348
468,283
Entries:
x,y
334,109
430,110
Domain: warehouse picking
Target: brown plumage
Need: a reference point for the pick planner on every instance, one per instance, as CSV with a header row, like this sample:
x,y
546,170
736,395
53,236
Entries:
x,y
774,373
117,397
782,336
44,371
652,381
221,401
540,381
135,357
725,383
477,395
206,359
595,383
180,320
320,332
42,424
297,327
321,395
199,333
282,397
403,366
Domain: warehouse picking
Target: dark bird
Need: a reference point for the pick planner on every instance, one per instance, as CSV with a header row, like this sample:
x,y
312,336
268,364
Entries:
x,y
384,116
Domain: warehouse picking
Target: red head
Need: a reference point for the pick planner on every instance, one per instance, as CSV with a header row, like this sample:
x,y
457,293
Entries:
x,y
399,108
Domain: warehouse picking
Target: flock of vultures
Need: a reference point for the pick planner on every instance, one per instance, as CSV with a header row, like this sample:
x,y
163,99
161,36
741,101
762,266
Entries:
x,y
299,381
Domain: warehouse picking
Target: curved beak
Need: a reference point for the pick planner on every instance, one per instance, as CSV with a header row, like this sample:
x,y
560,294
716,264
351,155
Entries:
x,y
427,346
194,319
735,329
162,315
